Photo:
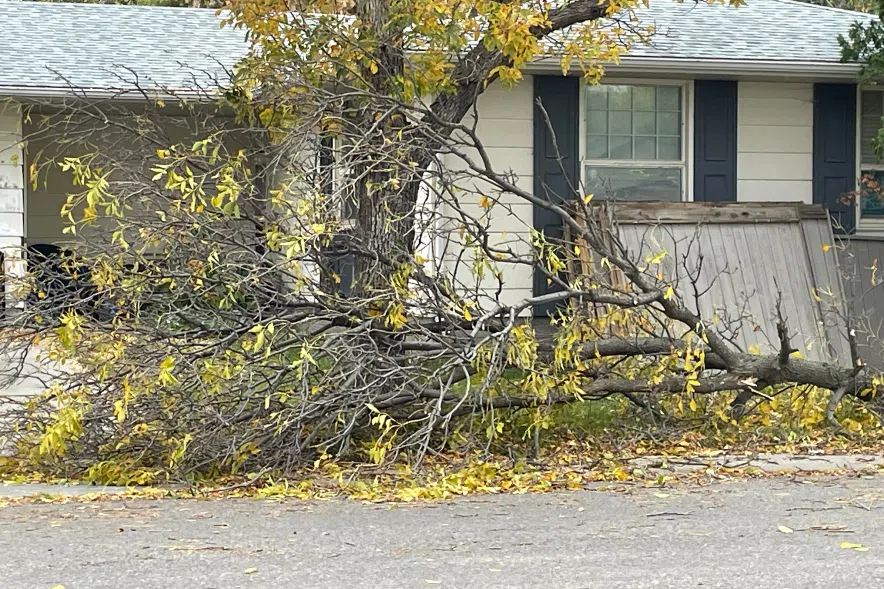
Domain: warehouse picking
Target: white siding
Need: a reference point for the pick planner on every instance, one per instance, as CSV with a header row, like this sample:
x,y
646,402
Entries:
x,y
774,141
12,195
505,127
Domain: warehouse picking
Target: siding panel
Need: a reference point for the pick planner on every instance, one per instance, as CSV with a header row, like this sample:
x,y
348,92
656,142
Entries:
x,y
775,190
775,142
785,112
770,166
774,139
505,128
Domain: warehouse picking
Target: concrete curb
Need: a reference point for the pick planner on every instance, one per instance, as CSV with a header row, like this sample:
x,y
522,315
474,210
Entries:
x,y
654,465
769,463
21,490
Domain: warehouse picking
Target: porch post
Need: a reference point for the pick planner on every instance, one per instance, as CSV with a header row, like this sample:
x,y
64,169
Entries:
x,y
12,204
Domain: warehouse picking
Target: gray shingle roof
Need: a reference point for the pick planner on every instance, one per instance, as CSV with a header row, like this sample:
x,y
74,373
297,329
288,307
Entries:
x,y
771,30
48,46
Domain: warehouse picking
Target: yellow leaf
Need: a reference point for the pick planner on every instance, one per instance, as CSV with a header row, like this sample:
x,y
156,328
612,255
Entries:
x,y
852,546
825,247
670,292
467,315
785,530
658,258
58,587
251,571
693,405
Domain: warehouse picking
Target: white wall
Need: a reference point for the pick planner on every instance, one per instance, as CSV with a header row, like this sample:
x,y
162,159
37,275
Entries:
x,y
774,157
11,177
506,130
12,187
774,141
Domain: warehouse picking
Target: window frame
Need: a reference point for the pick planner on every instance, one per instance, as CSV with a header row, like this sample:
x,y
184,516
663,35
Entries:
x,y
686,88
337,175
871,226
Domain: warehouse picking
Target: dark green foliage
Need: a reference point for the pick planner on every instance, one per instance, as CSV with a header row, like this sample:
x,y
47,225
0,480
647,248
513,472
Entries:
x,y
865,44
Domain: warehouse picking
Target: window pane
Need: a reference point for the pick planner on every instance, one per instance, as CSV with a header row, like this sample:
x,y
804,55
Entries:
x,y
644,123
641,122
669,148
621,147
597,122
872,195
597,147
868,130
619,97
620,122
668,123
634,183
669,98
597,97
643,98
645,148
872,105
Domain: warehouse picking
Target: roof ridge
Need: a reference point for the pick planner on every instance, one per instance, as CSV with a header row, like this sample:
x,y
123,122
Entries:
x,y
824,7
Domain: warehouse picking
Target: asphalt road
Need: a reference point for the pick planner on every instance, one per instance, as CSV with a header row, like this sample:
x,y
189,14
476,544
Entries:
x,y
730,535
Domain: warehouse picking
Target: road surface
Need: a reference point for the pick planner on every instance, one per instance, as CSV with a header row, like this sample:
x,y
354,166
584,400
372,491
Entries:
x,y
770,534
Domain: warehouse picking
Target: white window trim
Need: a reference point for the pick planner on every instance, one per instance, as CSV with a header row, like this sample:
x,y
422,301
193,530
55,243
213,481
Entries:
x,y
871,227
687,135
338,174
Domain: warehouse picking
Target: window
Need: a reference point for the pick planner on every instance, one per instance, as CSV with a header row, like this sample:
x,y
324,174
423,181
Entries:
x,y
871,201
633,146
333,176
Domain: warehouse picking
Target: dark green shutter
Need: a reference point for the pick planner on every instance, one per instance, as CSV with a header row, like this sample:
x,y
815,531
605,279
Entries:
x,y
556,161
834,151
715,140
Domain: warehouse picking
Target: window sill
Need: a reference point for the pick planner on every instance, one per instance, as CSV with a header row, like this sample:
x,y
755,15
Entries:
x,y
866,234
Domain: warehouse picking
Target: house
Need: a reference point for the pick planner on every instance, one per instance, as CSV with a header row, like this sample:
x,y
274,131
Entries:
x,y
725,104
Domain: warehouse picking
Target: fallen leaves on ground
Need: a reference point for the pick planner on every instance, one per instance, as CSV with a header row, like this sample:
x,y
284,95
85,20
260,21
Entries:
x,y
611,460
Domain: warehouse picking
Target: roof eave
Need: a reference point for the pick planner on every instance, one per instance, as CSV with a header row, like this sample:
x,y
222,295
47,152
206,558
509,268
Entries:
x,y
123,94
642,66
731,68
